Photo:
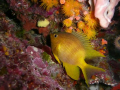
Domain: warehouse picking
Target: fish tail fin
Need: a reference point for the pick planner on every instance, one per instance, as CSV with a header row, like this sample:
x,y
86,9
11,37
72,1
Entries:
x,y
89,71
72,71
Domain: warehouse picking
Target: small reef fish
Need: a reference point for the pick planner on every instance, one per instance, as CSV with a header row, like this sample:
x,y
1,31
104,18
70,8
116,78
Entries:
x,y
71,50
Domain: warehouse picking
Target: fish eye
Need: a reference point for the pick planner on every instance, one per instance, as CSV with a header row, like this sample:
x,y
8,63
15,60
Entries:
x,y
55,35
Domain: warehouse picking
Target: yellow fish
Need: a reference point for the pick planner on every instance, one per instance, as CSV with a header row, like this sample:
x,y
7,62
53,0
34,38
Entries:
x,y
71,50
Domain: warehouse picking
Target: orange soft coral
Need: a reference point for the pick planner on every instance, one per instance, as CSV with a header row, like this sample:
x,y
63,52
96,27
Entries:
x,y
68,8
71,8
90,19
48,4
91,33
69,30
80,24
67,22
62,1
77,8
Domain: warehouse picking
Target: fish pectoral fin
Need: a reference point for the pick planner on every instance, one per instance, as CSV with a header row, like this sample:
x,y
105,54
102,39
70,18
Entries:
x,y
72,70
89,71
57,58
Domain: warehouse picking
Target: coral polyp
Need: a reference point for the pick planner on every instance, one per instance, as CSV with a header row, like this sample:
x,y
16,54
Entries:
x,y
90,20
48,4
71,7
80,24
67,8
90,33
67,22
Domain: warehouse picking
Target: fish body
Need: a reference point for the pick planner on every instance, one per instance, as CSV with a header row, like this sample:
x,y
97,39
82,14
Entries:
x,y
71,50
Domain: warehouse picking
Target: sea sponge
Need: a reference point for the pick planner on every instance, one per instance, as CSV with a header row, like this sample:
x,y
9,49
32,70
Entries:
x,y
67,22
71,8
80,24
43,23
48,4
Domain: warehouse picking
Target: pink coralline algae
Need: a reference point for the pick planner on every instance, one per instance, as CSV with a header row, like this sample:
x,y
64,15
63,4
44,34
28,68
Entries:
x,y
19,5
24,6
45,71
29,15
40,11
5,23
25,68
39,68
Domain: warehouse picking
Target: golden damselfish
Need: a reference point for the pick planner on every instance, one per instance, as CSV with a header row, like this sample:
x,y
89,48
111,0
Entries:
x,y
71,50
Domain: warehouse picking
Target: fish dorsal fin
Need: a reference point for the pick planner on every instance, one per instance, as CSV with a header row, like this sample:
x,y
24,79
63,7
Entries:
x,y
90,52
83,39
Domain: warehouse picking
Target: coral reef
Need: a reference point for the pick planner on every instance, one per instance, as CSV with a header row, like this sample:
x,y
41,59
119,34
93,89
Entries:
x,y
27,61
